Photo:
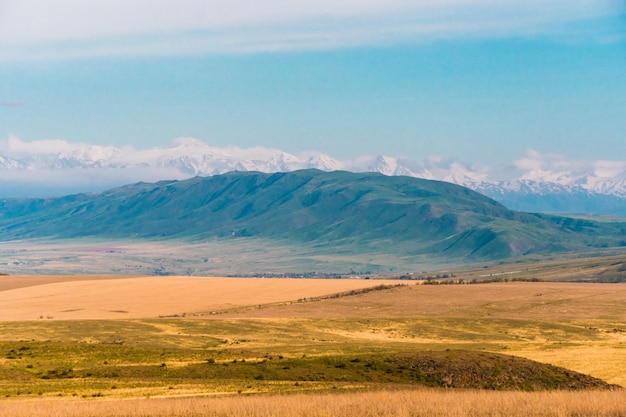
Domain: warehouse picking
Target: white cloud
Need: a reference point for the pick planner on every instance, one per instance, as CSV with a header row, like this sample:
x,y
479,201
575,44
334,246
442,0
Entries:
x,y
609,169
535,161
27,20
65,28
15,147
602,176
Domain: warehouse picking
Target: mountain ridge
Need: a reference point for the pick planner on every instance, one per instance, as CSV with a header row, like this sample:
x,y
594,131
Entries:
x,y
328,211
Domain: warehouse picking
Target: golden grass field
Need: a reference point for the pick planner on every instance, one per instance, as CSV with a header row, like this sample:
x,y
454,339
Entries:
x,y
104,297
163,325
381,403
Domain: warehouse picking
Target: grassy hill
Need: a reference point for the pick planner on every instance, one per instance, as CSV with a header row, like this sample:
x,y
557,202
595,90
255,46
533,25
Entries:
x,y
332,212
447,369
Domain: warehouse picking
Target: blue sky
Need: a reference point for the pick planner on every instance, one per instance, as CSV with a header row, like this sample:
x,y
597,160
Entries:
x,y
478,80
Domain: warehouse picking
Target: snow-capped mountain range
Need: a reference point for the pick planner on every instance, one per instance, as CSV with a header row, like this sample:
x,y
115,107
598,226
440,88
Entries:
x,y
535,182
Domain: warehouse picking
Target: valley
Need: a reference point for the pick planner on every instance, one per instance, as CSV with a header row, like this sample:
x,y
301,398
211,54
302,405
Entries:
x,y
312,209
325,286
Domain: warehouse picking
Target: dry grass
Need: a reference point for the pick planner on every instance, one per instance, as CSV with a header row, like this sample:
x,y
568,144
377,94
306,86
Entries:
x,y
28,298
578,326
413,403
608,361
546,301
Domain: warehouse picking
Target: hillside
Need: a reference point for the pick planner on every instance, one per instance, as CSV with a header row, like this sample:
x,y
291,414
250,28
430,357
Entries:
x,y
327,211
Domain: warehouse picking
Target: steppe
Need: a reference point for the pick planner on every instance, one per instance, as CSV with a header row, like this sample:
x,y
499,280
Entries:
x,y
192,346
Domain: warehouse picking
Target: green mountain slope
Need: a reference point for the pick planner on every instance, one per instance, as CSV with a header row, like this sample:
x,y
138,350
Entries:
x,y
330,211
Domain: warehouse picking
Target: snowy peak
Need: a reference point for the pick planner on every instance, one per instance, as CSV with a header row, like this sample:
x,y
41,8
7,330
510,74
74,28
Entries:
x,y
53,164
194,157
321,161
51,167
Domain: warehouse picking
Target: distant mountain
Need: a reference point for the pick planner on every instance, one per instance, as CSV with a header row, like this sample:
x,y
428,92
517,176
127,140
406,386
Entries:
x,y
187,157
56,168
328,211
546,197
587,190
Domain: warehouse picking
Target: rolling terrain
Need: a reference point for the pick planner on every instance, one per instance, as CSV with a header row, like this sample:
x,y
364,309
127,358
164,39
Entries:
x,y
322,213
265,340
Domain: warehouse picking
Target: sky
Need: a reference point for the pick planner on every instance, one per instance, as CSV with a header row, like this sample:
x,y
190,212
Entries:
x,y
483,81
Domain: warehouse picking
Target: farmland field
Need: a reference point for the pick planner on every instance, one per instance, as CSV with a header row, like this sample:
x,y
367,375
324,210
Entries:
x,y
76,297
98,343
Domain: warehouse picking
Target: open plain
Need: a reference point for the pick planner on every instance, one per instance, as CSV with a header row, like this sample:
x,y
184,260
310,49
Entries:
x,y
189,346
104,297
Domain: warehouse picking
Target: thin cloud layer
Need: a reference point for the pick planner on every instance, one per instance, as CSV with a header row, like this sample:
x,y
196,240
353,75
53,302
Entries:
x,y
534,163
64,28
